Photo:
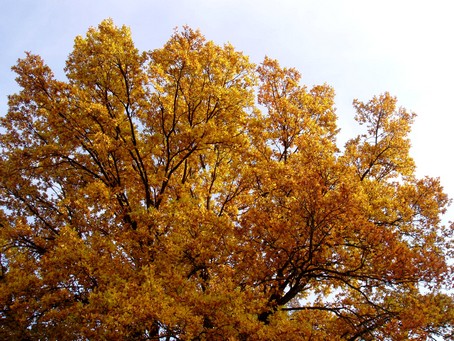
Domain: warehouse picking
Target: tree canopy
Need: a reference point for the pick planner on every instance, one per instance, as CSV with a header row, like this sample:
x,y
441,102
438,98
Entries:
x,y
186,193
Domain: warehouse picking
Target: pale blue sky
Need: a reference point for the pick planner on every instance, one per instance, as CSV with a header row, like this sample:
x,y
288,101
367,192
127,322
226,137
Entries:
x,y
362,48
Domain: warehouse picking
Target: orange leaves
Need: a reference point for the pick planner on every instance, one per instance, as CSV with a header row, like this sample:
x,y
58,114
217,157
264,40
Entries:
x,y
147,197
293,115
106,60
383,152
196,108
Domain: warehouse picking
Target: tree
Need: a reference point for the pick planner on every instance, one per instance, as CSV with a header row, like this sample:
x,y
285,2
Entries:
x,y
187,194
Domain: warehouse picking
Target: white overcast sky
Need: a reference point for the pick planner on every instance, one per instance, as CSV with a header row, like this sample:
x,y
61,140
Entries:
x,y
360,47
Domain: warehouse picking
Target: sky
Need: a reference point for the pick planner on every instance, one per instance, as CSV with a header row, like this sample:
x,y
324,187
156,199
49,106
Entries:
x,y
361,48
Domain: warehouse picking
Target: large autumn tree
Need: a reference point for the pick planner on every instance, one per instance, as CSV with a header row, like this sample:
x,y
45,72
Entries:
x,y
188,194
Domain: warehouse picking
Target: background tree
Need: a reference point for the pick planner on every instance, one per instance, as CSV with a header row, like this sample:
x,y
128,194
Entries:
x,y
149,197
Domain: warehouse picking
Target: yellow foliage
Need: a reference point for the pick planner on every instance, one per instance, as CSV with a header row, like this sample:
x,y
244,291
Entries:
x,y
187,194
